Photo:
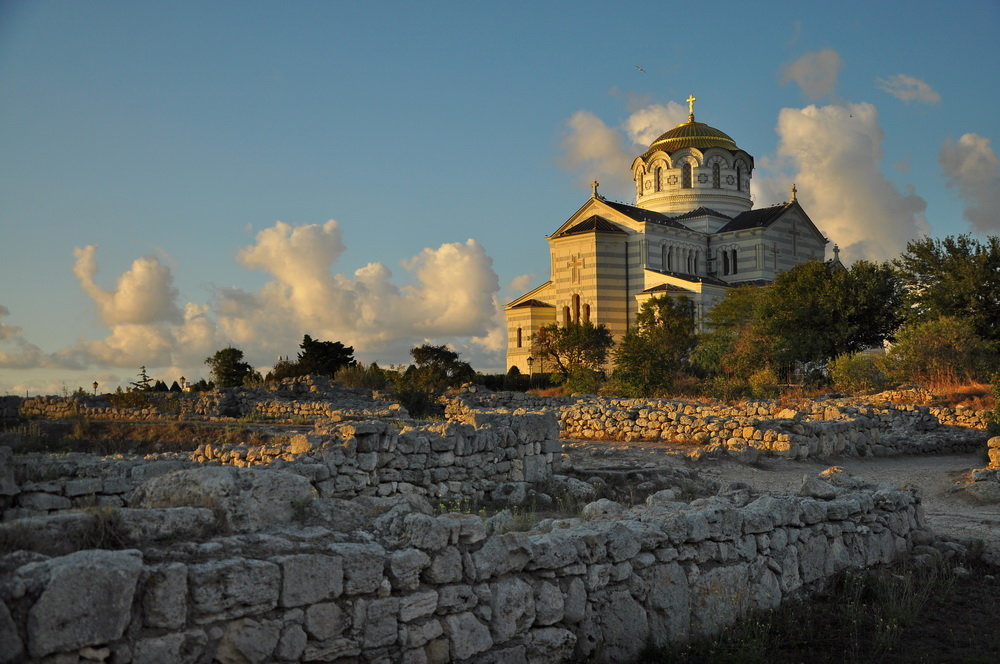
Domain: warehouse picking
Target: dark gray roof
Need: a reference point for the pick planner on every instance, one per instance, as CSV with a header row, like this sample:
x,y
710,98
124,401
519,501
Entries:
x,y
592,224
702,212
756,218
667,288
531,303
639,214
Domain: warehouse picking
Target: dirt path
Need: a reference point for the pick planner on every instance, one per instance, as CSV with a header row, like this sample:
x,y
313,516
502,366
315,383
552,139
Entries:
x,y
949,510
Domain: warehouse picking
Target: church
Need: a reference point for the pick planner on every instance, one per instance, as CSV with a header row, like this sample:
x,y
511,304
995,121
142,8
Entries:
x,y
692,232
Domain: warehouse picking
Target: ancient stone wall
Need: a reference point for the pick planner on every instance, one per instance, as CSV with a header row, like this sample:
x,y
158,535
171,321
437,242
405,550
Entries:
x,y
344,460
413,587
823,428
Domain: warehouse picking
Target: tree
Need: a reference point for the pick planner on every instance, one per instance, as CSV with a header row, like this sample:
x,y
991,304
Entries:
x,y
228,368
174,387
957,276
656,349
144,383
735,346
439,368
945,349
323,358
574,346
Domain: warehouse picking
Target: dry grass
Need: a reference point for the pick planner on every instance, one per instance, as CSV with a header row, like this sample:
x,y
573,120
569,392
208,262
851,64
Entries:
x,y
973,394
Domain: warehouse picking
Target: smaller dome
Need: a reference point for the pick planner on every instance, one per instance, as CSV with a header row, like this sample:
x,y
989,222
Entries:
x,y
691,134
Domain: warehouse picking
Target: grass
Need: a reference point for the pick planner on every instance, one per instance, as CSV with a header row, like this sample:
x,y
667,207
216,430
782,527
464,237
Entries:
x,y
861,616
974,394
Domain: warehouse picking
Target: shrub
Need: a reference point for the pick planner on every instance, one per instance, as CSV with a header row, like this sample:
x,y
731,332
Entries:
x,y
945,349
371,377
584,381
858,373
764,384
133,399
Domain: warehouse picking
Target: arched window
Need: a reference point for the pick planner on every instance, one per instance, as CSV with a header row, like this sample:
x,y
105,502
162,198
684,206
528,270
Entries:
x,y
670,259
694,263
657,174
716,176
725,262
733,262
518,337
663,256
739,177
576,308
565,316
686,176
586,313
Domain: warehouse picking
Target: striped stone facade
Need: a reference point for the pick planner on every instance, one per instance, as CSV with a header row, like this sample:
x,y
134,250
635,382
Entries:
x,y
692,233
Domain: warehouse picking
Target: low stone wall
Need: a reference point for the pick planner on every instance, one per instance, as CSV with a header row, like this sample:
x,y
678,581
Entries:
x,y
819,428
413,587
453,461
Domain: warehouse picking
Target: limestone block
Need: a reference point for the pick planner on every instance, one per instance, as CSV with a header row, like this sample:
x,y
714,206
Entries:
x,y
11,647
622,627
549,603
86,601
164,601
363,564
468,636
380,622
984,492
232,588
325,620
144,525
291,644
43,502
82,487
602,507
425,532
329,651
575,602
445,567
405,567
418,605
550,644
718,598
513,608
307,578
247,499
415,635
248,641
669,616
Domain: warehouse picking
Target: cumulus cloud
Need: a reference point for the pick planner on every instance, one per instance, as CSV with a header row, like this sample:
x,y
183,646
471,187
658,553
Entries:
x,y
452,294
834,153
909,88
971,166
598,151
16,352
815,73
144,293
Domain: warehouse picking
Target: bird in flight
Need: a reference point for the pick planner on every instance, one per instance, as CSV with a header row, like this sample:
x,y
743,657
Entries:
x,y
640,69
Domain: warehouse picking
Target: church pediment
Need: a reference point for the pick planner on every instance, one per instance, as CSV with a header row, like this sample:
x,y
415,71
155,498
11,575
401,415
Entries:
x,y
592,224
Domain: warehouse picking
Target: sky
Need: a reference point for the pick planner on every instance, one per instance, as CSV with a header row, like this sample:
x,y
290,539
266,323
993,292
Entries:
x,y
177,177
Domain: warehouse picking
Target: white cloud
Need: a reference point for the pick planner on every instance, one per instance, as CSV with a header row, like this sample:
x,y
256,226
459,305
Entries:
x,y
144,294
16,352
971,166
646,124
519,284
909,88
815,73
834,153
599,151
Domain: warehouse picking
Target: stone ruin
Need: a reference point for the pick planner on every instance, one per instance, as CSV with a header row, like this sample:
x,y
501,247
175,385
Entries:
x,y
340,545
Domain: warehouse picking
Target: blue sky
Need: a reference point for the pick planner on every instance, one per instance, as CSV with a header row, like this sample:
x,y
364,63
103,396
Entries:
x,y
182,132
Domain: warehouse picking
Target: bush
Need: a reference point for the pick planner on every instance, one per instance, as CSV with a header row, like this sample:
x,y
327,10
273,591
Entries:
x,y
942,350
371,377
764,384
584,381
132,399
857,373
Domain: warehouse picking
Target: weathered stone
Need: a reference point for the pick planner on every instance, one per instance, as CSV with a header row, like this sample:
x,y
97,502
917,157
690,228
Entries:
x,y
984,492
248,641
325,621
291,644
669,615
11,647
445,567
548,604
308,578
363,565
513,608
164,602
550,644
417,605
246,499
82,487
380,624
87,600
718,598
232,588
622,627
468,636
329,651
405,567
145,525
43,501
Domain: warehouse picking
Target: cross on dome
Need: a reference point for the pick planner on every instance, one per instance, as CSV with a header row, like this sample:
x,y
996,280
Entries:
x,y
691,100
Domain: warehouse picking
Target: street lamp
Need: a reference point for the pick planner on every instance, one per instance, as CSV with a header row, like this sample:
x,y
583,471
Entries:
x,y
95,388
183,383
531,375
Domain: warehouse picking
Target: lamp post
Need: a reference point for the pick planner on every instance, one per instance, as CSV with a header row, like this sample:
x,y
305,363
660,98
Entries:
x,y
183,382
95,388
531,375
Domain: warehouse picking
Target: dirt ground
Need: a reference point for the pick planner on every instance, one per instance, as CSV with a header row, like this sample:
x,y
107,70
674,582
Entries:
x,y
940,477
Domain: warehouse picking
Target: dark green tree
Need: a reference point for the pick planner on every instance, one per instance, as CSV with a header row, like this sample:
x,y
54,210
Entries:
x,y
655,351
228,368
144,382
435,369
574,346
175,387
323,358
957,276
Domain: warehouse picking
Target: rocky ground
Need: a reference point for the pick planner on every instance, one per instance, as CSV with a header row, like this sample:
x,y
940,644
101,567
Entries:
x,y
950,511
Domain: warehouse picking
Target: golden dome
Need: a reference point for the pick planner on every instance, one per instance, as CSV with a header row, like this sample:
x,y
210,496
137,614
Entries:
x,y
691,134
